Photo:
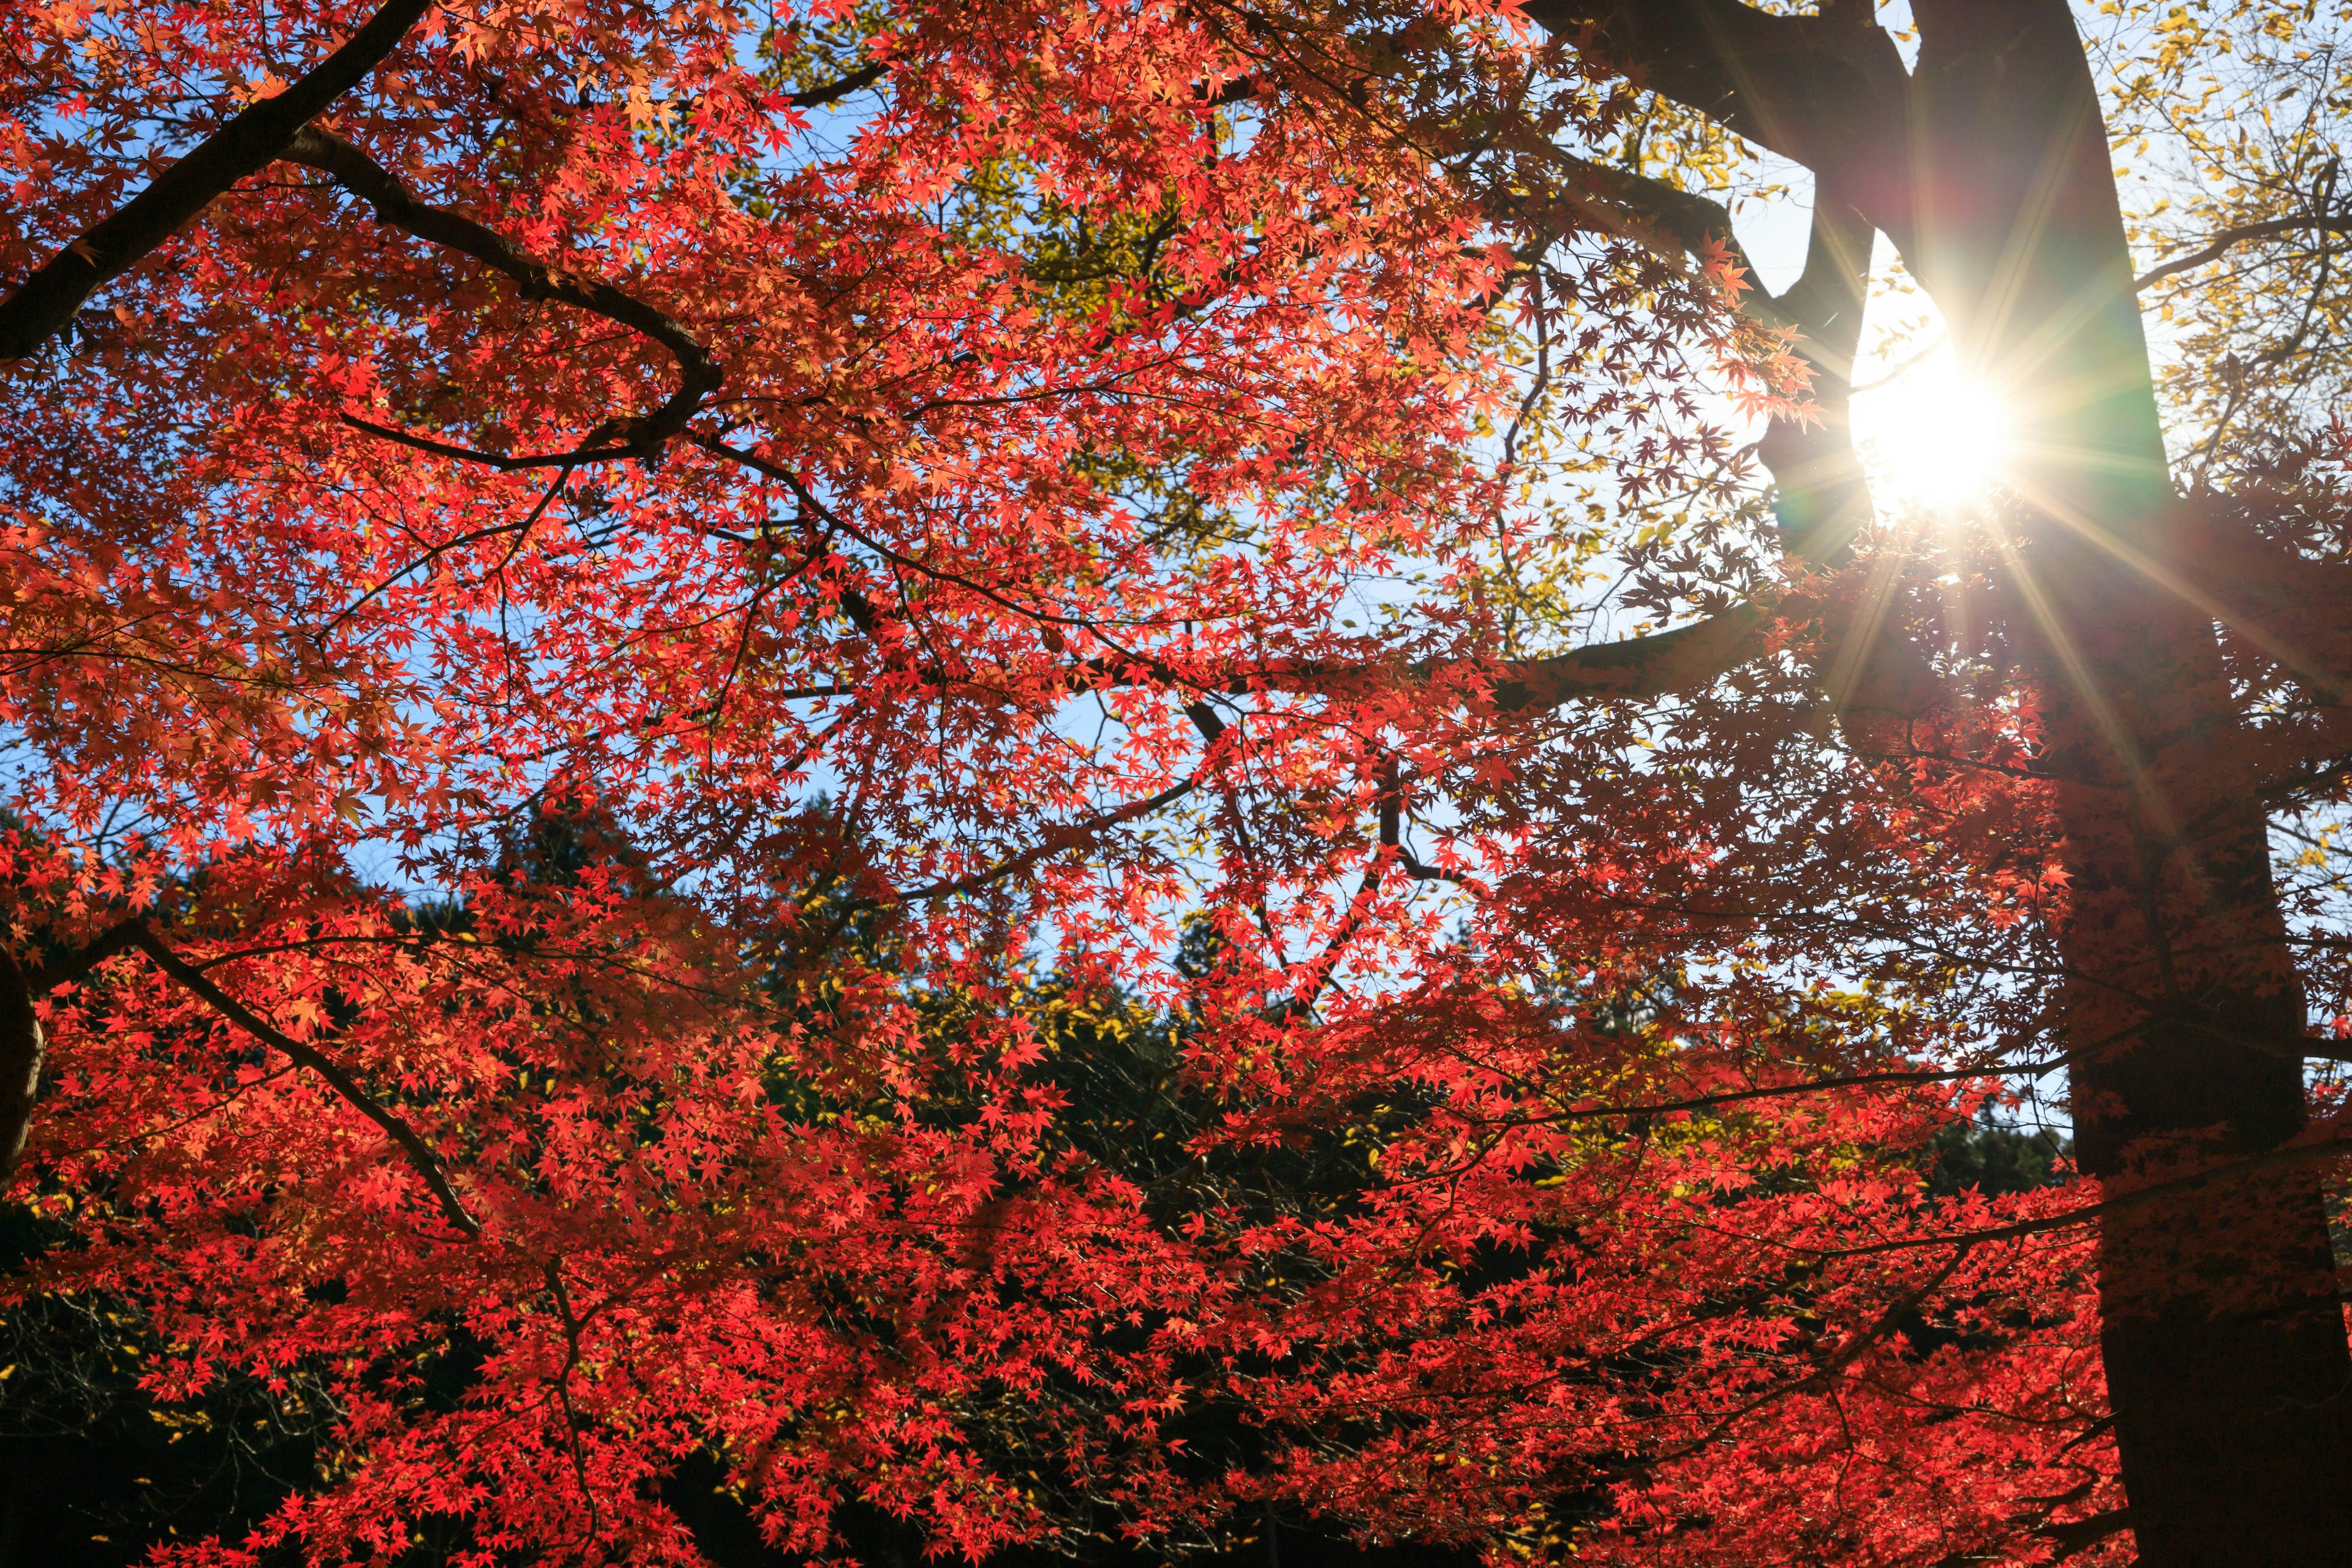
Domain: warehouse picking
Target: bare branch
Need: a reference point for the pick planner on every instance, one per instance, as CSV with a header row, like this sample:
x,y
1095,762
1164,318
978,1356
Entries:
x,y
248,143
2221,243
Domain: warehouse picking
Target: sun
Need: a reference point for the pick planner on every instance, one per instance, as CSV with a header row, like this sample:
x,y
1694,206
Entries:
x,y
1932,436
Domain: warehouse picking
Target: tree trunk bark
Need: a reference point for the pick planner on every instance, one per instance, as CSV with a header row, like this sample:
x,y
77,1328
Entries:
x,y
2224,1343
20,1062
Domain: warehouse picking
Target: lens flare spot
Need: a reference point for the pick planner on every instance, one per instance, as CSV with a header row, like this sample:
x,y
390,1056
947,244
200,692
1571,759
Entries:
x,y
1933,437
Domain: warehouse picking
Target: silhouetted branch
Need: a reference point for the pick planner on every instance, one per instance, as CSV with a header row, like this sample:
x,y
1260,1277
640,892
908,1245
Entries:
x,y
698,374
834,92
2077,1534
21,1049
21,1045
420,1156
1829,90
2223,243
249,143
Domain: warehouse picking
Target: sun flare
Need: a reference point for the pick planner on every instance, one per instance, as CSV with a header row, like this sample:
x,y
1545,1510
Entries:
x,y
1932,436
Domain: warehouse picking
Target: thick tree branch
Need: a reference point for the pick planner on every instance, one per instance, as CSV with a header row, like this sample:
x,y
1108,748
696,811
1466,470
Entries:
x,y
2076,1535
1828,90
1823,501
834,92
121,937
1826,302
641,436
249,143
1666,663
420,1156
1674,225
1663,664
2288,607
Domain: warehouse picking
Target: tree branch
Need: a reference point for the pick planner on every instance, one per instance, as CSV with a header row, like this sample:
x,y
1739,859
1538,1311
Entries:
x,y
1675,225
121,937
22,1046
249,143
2221,244
1662,665
2284,605
2074,1535
698,374
2282,1158
420,1156
1845,1355
1828,90
1637,1111
1056,841
1823,500
834,92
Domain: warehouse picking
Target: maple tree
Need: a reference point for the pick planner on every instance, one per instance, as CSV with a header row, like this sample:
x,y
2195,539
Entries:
x,y
633,635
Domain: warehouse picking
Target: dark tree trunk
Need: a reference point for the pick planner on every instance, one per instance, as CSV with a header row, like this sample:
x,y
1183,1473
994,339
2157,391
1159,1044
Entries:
x,y
1987,166
2225,1348
20,1061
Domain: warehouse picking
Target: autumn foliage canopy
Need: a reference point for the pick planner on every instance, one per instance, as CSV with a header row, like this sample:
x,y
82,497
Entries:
x,y
857,745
